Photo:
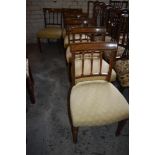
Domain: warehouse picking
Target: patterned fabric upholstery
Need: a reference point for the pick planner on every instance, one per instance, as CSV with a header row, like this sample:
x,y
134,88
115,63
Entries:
x,y
77,36
96,67
50,33
122,71
94,103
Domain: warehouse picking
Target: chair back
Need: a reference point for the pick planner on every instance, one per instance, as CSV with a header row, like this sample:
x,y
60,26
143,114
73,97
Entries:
x,y
113,17
90,52
99,13
86,34
81,21
122,29
52,17
119,4
90,6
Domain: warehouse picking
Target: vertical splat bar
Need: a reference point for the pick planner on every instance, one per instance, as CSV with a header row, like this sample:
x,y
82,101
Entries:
x,y
82,63
91,63
100,55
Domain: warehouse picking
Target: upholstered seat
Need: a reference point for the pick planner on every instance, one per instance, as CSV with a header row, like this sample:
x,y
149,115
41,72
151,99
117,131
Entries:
x,y
96,67
77,39
122,71
95,103
50,33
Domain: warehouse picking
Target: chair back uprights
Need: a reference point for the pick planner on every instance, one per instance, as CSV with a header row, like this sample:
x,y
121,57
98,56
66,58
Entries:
x,y
86,34
113,17
52,17
119,4
99,9
91,53
121,29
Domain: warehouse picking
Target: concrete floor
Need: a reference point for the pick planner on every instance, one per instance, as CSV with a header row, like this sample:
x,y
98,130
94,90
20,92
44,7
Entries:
x,y
48,128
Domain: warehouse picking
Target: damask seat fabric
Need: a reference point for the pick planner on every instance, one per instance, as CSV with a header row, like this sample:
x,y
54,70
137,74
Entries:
x,y
50,33
94,103
77,37
122,70
96,67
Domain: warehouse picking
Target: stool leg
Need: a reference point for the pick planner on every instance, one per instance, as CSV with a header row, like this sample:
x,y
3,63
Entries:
x,y
121,124
39,44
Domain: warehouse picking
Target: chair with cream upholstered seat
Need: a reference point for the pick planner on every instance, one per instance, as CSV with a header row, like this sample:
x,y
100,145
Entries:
x,y
53,25
94,102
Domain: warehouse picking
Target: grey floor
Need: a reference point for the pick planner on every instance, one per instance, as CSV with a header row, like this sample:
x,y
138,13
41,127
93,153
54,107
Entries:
x,y
48,128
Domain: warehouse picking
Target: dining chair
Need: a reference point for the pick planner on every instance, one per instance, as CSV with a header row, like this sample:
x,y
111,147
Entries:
x,y
94,102
52,26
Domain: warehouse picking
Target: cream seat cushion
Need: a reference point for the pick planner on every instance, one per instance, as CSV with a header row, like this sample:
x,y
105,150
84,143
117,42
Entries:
x,y
77,36
50,33
96,68
94,103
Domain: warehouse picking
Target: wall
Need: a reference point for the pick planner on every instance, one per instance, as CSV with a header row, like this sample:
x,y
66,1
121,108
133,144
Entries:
x,y
34,13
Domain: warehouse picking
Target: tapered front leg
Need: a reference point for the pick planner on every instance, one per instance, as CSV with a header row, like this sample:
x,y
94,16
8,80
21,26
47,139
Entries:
x,y
75,134
121,124
39,44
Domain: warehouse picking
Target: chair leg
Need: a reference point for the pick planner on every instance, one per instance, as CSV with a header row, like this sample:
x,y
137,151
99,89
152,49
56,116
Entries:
x,y
39,44
121,124
30,86
48,40
75,134
73,129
